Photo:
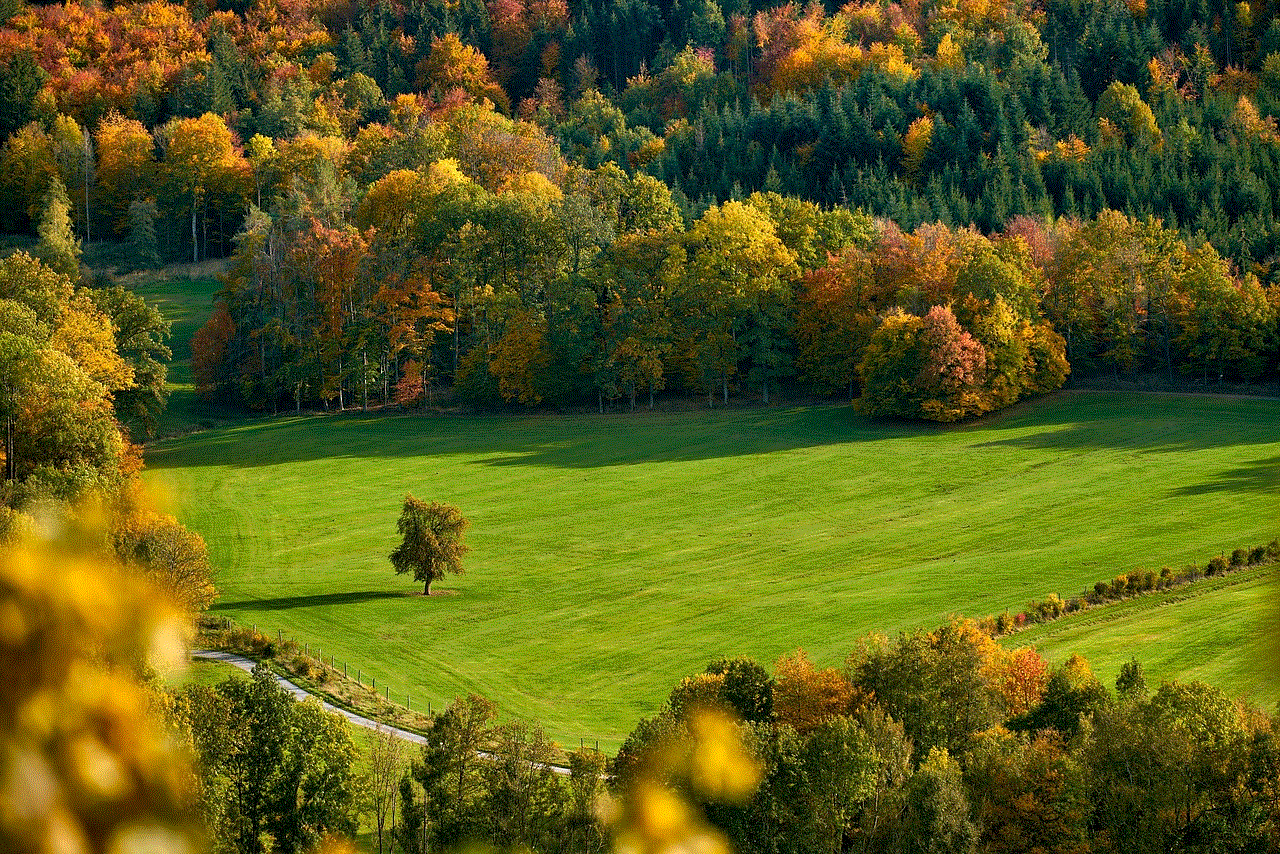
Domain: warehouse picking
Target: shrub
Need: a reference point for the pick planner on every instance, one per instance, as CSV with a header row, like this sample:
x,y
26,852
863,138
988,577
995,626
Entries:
x,y
1119,585
1239,557
1075,603
1273,550
1216,566
1257,555
1102,589
1004,623
1148,579
1050,608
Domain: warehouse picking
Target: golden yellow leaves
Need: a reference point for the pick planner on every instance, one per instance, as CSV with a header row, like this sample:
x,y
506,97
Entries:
x,y
708,761
83,766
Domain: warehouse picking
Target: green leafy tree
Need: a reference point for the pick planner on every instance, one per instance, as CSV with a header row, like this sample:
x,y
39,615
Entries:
x,y
441,795
140,334
283,771
432,542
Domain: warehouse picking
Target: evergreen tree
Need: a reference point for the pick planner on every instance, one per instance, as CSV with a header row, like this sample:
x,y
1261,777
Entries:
x,y
143,248
58,247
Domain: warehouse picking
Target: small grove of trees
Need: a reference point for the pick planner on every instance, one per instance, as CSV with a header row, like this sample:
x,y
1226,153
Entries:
x,y
509,797
275,774
566,285
432,541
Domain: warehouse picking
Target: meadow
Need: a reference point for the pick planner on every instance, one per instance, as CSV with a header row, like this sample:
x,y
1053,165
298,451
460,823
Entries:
x,y
614,554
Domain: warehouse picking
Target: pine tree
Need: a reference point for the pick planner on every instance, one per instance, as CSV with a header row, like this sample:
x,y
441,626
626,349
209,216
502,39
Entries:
x,y
144,249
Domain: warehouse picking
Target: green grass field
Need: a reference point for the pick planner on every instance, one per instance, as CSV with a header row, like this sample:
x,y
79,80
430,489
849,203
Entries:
x,y
186,302
1223,631
614,554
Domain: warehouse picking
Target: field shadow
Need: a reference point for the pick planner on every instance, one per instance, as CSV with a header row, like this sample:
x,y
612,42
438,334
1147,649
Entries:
x,y
1258,476
1060,422
562,441
1152,423
282,603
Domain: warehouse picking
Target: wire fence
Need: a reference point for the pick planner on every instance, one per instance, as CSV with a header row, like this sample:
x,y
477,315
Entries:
x,y
260,646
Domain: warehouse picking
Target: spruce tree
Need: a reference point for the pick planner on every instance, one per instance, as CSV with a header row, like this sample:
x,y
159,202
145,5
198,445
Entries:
x,y
144,250
58,247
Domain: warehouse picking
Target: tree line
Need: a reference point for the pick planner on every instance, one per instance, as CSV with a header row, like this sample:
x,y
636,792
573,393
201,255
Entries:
x,y
571,285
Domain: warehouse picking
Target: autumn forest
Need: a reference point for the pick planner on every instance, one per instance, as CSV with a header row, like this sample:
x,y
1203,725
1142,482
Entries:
x,y
936,208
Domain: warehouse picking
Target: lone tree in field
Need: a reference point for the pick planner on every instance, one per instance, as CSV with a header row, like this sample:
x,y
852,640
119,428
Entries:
x,y
432,541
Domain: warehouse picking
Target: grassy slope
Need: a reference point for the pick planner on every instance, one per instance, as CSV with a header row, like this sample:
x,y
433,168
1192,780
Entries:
x,y
614,554
186,302
1223,631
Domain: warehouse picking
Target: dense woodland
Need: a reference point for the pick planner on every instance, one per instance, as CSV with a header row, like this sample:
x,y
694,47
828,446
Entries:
x,y
938,208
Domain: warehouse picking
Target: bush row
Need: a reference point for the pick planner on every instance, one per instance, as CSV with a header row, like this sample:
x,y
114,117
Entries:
x,y
1125,585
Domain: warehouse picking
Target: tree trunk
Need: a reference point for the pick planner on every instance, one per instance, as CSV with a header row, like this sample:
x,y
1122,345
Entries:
x,y
195,241
426,587
766,391
10,463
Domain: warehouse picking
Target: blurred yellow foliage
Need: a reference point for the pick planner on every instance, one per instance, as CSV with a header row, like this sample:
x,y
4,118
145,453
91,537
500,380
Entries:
x,y
84,763
707,760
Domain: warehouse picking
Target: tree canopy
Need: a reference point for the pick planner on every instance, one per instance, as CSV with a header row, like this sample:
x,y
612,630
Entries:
x,y
432,541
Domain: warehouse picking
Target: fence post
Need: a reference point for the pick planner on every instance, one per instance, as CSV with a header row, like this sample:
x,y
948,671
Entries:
x,y
407,698
279,635
344,670
358,676
374,680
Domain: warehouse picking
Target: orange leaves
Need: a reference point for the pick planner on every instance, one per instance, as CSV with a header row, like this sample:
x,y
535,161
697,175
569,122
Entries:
x,y
1022,680
329,259
412,311
126,166
519,359
493,150
915,145
836,315
805,697
209,349
202,155
452,66
799,51
97,55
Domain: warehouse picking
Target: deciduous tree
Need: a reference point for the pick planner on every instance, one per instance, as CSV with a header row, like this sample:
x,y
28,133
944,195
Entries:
x,y
432,541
